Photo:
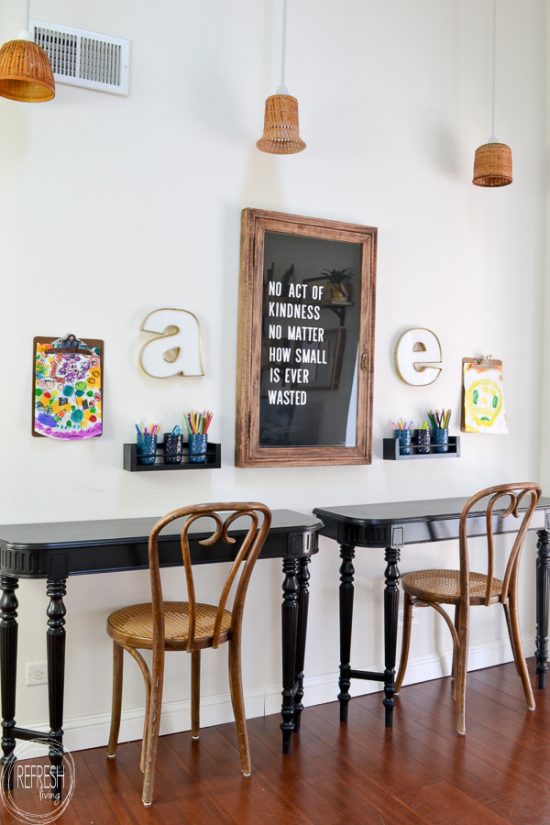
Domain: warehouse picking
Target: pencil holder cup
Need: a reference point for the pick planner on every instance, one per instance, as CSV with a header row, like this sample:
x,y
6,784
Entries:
x,y
197,447
173,448
146,448
423,441
405,437
440,438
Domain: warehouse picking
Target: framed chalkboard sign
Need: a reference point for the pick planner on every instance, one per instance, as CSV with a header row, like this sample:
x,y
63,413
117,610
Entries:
x,y
306,341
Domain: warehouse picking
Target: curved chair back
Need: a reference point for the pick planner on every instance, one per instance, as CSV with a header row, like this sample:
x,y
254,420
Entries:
x,y
505,500
223,514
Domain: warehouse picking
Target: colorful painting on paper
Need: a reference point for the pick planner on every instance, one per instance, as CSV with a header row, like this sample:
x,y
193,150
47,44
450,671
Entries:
x,y
483,394
67,402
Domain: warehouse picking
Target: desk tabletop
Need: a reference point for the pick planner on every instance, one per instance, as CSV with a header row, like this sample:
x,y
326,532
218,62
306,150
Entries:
x,y
61,549
396,523
58,534
389,512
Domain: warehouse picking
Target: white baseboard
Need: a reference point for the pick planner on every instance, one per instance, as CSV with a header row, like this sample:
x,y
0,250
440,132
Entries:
x,y
321,689
93,731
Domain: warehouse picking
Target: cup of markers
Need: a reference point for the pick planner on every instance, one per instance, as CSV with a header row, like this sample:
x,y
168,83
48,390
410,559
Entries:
x,y
439,423
173,446
197,429
146,442
403,430
423,439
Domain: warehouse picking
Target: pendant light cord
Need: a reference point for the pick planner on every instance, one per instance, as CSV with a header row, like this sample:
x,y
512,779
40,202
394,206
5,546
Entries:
x,y
493,90
282,90
25,32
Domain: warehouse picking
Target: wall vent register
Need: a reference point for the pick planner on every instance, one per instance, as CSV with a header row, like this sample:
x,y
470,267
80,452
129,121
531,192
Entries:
x,y
83,58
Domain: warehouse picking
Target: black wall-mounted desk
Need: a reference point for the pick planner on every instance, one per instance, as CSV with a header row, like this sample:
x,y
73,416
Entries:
x,y
393,525
56,551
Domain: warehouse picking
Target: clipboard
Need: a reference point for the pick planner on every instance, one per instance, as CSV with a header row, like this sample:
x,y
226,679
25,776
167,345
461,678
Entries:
x,y
483,408
67,388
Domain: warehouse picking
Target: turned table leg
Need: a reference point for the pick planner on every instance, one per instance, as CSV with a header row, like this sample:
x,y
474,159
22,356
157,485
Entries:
x,y
8,671
347,572
289,623
391,614
303,605
543,592
56,589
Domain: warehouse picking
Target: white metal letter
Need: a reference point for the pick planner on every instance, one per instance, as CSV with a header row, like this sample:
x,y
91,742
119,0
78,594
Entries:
x,y
178,348
418,357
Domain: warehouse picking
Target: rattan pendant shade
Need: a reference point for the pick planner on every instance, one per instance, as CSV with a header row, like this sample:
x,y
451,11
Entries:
x,y
25,72
493,165
281,128
493,160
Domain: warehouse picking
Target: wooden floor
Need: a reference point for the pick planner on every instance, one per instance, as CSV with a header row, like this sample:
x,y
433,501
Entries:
x,y
421,772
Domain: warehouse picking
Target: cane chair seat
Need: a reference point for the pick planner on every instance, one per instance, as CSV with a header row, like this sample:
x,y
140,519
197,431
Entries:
x,y
443,586
133,626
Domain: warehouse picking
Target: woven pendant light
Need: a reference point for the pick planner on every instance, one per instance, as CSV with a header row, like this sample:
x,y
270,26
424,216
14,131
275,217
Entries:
x,y
493,165
493,160
281,127
25,71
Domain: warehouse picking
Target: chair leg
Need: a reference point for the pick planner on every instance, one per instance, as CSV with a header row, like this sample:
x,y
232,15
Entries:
x,y
153,728
517,648
195,693
237,700
456,638
135,654
405,644
145,725
506,609
456,624
116,707
461,672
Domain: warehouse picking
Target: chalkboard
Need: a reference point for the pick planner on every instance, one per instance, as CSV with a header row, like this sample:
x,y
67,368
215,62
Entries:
x,y
306,341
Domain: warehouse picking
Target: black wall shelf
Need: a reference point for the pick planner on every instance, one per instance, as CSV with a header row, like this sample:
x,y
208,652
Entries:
x,y
213,459
392,449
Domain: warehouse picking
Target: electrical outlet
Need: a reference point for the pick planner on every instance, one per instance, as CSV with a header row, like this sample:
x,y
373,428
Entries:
x,y
36,673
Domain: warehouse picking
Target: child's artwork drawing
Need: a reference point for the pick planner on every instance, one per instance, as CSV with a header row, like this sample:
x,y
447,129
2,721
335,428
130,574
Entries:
x,y
483,397
67,388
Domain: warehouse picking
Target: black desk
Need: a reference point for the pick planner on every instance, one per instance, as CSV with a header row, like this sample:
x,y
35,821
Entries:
x,y
58,550
392,525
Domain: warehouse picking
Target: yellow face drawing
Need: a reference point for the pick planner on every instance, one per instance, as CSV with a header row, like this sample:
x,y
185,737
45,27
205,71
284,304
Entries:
x,y
484,402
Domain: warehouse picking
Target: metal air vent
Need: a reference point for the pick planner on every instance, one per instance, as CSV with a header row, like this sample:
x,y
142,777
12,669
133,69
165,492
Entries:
x,y
82,58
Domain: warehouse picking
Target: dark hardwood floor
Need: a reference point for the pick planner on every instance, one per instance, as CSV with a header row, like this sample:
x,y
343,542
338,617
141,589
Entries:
x,y
361,774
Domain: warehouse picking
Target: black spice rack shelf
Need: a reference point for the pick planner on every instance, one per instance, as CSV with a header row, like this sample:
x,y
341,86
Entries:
x,y
392,449
213,459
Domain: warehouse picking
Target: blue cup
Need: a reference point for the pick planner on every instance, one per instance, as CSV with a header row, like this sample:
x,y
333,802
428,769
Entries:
x,y
440,437
197,447
146,448
173,448
405,437
423,441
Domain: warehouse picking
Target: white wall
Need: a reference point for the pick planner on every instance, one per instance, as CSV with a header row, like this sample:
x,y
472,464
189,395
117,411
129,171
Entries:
x,y
112,207
545,400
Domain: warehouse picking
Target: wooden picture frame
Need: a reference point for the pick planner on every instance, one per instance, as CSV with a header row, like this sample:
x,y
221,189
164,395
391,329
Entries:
x,y
306,341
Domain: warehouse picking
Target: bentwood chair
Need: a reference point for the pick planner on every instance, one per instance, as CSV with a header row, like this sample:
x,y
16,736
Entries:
x,y
190,626
465,589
